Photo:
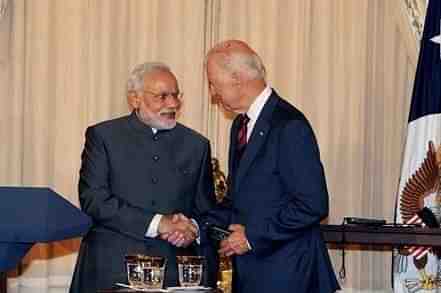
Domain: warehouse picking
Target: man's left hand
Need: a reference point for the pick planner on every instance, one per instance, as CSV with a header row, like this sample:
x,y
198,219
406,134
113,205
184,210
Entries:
x,y
236,243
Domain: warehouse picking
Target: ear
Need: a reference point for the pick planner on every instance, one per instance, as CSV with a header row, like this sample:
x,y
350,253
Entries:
x,y
133,100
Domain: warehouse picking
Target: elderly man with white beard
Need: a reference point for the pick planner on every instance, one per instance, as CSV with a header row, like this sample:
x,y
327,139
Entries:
x,y
146,182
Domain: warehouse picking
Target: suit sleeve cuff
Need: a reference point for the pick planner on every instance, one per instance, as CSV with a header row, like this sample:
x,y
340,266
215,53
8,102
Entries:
x,y
198,238
152,230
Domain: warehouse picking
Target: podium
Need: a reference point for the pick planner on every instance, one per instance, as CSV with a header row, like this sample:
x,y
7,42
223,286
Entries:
x,y
34,214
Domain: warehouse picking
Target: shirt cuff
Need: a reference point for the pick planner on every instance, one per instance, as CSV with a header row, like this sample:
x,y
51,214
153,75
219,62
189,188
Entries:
x,y
152,230
198,238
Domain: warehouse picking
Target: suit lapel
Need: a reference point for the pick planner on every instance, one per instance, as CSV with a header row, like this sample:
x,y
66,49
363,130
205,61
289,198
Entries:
x,y
257,139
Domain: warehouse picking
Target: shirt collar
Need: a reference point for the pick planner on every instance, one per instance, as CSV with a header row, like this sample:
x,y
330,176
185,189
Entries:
x,y
257,106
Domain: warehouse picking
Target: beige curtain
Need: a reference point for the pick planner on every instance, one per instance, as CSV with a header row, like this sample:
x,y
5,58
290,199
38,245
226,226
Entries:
x,y
348,65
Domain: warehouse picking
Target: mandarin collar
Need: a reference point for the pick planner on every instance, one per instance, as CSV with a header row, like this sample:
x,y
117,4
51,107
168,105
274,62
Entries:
x,y
143,128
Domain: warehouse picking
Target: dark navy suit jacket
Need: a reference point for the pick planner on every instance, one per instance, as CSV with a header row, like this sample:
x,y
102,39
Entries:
x,y
128,174
278,191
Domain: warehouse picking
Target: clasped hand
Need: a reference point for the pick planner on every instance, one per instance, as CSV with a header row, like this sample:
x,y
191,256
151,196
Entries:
x,y
177,229
236,243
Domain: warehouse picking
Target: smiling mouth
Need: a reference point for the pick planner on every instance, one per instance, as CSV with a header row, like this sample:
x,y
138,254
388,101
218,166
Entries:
x,y
169,115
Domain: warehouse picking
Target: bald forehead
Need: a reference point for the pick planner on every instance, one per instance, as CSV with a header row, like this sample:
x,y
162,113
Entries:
x,y
232,46
234,56
221,53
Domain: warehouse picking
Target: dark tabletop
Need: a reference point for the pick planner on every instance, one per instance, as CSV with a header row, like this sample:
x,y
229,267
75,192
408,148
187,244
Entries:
x,y
133,291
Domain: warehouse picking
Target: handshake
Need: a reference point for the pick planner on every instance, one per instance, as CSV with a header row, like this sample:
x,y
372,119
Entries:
x,y
178,230
181,231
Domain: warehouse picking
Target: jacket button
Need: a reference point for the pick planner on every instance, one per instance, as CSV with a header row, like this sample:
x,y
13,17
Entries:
x,y
154,180
155,158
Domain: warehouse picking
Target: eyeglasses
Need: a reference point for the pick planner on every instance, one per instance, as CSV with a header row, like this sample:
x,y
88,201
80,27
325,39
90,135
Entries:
x,y
162,97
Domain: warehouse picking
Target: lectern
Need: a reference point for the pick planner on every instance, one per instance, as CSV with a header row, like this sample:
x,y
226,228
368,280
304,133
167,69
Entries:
x,y
34,214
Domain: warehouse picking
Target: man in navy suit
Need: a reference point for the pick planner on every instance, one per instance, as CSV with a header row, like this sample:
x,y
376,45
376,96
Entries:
x,y
143,178
277,190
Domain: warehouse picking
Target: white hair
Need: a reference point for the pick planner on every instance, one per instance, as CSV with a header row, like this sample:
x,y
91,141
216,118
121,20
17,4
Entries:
x,y
248,64
135,83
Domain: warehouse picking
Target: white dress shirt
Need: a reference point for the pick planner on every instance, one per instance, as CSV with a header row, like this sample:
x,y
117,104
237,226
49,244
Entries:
x,y
255,109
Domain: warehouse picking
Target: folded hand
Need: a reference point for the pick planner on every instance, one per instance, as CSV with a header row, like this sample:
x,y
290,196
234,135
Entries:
x,y
236,243
178,230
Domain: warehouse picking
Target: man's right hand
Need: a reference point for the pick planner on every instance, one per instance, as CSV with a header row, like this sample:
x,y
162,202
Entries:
x,y
177,229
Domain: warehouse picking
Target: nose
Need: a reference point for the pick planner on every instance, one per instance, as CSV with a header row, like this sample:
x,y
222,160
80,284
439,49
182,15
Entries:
x,y
173,102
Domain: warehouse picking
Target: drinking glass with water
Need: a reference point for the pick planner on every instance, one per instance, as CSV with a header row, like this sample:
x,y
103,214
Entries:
x,y
134,270
153,268
190,269
145,271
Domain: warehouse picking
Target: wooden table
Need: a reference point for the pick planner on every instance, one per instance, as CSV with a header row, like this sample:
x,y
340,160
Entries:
x,y
381,235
